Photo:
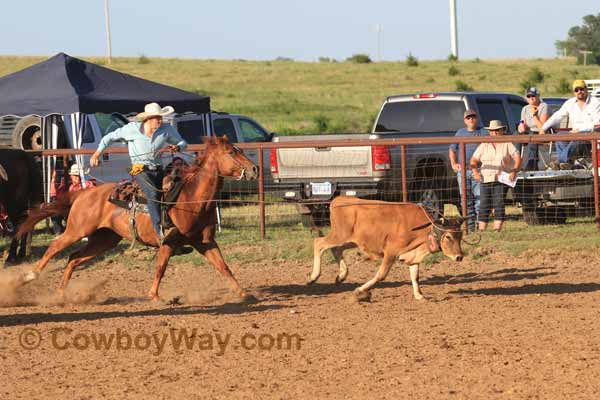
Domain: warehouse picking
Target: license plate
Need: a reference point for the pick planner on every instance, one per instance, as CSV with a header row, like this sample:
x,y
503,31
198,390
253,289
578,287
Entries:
x,y
321,188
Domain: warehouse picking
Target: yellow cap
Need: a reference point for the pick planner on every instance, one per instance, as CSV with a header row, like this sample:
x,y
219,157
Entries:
x,y
578,83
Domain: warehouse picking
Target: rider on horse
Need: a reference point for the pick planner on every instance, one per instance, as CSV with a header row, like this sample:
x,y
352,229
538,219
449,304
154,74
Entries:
x,y
145,139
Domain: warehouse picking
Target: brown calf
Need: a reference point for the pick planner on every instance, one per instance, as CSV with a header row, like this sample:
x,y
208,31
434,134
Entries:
x,y
385,230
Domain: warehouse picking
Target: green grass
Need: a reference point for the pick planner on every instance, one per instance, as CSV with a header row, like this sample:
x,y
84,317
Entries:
x,y
287,240
289,96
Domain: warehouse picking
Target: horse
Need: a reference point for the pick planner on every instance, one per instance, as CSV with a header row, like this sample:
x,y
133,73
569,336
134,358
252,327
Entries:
x,y
92,215
20,189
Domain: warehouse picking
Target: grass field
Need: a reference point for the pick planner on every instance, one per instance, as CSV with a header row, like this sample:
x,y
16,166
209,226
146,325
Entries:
x,y
289,241
300,97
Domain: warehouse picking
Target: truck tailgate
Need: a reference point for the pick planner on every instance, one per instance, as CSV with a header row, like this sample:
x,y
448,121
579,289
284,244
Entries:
x,y
325,162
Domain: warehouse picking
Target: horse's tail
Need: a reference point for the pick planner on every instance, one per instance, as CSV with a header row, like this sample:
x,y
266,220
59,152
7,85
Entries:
x,y
59,207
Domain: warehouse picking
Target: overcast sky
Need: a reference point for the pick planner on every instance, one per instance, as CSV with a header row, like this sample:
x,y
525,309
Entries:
x,y
302,30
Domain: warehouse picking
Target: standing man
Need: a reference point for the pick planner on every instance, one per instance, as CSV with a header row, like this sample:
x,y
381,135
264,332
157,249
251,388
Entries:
x,y
583,111
471,122
145,139
533,117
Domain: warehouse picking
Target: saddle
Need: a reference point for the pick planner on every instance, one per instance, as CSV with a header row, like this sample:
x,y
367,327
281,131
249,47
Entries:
x,y
128,194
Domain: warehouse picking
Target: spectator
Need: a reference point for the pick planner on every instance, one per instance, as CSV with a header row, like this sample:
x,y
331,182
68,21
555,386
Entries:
x,y
471,122
176,164
68,183
533,117
76,183
583,111
495,158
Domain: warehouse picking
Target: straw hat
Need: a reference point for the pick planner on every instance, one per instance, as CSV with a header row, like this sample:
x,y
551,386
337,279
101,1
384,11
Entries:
x,y
154,110
495,125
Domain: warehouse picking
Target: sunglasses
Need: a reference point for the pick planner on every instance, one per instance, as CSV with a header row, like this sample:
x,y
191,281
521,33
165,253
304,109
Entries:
x,y
529,96
471,117
579,89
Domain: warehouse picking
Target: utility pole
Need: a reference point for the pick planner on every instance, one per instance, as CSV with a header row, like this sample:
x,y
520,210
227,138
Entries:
x,y
107,22
378,30
453,34
585,54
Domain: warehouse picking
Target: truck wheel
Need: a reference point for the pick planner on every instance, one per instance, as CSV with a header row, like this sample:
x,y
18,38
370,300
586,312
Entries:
x,y
544,215
430,198
27,134
317,217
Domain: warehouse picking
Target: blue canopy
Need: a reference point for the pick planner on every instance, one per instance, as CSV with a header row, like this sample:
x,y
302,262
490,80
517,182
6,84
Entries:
x,y
64,85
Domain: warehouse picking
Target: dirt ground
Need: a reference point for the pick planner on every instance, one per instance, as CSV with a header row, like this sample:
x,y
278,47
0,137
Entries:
x,y
495,327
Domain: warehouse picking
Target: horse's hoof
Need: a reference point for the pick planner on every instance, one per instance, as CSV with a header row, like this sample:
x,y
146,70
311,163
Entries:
x,y
249,299
29,276
338,280
309,280
361,295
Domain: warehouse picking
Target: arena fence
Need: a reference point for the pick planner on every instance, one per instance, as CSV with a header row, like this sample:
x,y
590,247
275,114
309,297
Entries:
x,y
417,170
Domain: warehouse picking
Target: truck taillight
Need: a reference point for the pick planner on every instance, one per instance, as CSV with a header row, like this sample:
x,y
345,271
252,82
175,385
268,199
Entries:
x,y
273,160
380,156
425,96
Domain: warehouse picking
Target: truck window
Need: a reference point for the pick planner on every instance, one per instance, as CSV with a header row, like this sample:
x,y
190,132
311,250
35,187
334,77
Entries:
x,y
87,135
224,127
110,122
491,109
515,109
421,116
191,131
251,132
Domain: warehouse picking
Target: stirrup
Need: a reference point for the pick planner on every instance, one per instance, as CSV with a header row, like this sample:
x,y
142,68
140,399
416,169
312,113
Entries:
x,y
167,234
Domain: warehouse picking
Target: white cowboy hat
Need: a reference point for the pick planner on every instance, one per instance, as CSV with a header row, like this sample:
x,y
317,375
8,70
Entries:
x,y
74,170
495,125
154,110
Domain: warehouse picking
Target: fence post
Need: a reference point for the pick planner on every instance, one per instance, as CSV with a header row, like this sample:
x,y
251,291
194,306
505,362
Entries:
x,y
261,193
595,167
403,168
463,184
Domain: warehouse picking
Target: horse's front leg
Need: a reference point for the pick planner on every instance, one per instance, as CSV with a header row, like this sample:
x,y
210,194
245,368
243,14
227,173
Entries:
x,y
212,252
162,260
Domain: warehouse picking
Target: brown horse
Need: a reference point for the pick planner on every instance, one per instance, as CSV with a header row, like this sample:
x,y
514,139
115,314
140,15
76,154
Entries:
x,y
91,215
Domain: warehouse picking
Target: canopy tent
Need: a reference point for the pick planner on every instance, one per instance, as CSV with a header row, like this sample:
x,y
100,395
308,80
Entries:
x,y
65,85
69,88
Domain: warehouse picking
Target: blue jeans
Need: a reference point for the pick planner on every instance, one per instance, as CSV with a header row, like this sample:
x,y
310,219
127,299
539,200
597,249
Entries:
x,y
151,184
532,157
563,149
473,189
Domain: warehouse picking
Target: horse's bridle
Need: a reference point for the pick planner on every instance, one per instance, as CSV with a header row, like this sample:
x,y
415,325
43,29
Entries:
x,y
242,169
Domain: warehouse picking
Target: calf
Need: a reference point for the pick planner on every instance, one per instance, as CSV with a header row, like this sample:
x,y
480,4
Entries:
x,y
385,230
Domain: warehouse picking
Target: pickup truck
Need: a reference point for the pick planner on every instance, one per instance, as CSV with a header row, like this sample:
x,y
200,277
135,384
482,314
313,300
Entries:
x,y
25,133
548,196
311,177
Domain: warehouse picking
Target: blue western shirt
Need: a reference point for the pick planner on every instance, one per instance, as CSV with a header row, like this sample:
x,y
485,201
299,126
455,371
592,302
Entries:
x,y
469,147
143,149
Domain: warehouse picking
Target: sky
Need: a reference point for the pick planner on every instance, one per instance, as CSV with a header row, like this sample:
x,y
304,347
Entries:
x,y
302,30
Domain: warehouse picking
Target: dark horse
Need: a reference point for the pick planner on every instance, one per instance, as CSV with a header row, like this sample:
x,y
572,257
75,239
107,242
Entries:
x,y
91,215
20,189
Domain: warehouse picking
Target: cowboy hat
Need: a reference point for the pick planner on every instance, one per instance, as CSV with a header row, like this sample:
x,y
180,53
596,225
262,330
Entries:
x,y
495,125
74,170
154,110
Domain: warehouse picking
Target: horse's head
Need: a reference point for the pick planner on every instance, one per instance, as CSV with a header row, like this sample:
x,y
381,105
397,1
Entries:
x,y
231,160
